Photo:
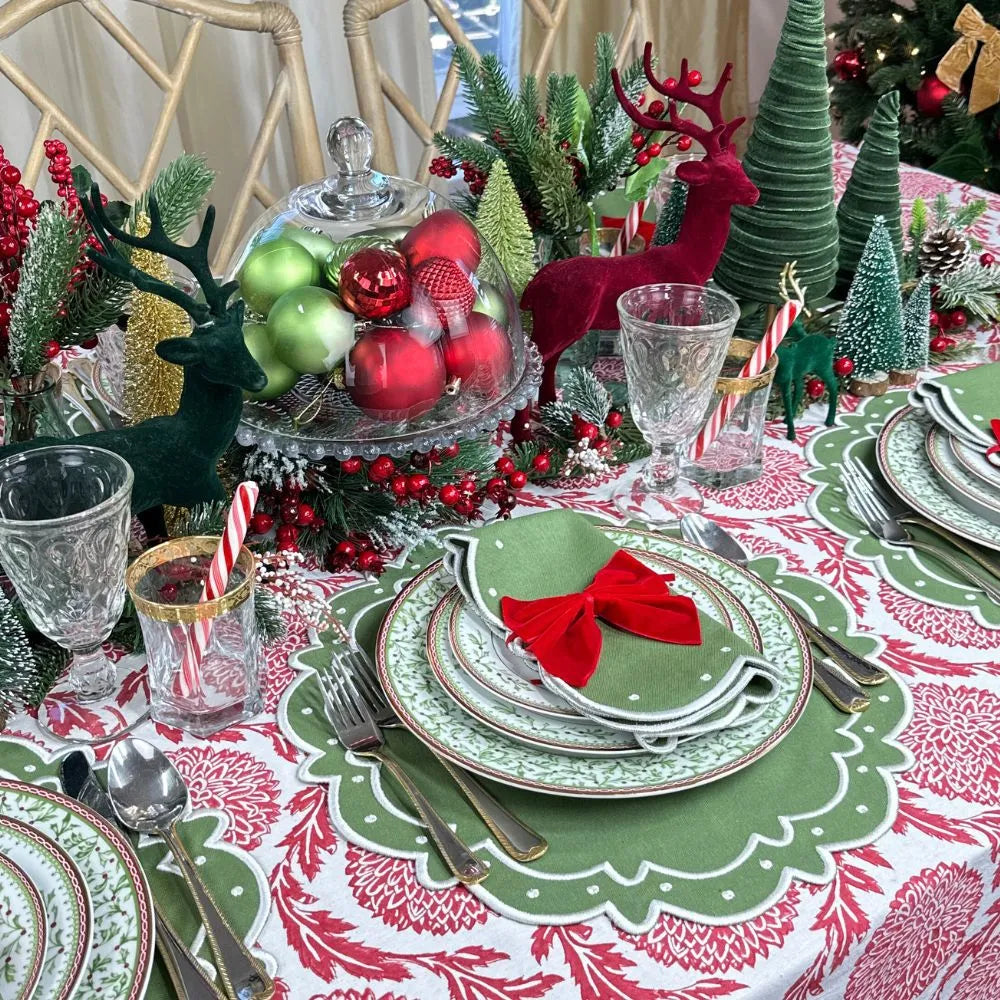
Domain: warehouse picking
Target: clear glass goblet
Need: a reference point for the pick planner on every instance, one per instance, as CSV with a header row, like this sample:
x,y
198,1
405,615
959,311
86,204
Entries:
x,y
64,531
674,339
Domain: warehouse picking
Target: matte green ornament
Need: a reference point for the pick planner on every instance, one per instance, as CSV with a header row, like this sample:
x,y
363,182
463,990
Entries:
x,y
342,250
873,189
318,244
790,159
280,378
273,268
311,330
491,301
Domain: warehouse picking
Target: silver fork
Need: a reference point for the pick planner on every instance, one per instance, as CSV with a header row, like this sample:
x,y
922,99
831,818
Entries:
x,y
356,730
899,512
516,838
867,506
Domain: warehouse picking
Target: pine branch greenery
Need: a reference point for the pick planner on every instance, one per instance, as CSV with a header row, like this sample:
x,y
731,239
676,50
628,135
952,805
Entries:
x,y
973,288
92,306
501,220
52,252
180,189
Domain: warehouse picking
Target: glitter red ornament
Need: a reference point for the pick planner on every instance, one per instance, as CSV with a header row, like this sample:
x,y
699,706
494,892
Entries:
x,y
375,282
395,373
843,367
444,234
446,289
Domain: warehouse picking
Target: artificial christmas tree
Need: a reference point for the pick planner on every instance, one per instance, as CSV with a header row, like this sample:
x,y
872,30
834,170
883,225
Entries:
x,y
668,223
871,330
916,332
501,220
873,189
790,159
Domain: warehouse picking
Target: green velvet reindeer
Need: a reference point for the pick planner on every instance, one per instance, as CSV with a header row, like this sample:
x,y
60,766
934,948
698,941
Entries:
x,y
801,354
175,458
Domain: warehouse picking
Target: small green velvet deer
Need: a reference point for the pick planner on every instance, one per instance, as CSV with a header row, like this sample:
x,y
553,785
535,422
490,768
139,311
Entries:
x,y
175,458
801,354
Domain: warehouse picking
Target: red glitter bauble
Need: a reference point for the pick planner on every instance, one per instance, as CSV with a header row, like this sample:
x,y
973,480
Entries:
x,y
375,282
449,291
815,388
930,96
479,353
398,485
395,373
843,367
444,234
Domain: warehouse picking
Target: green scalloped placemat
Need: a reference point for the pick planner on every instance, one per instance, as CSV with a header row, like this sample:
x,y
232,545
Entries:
x,y
719,854
238,885
920,576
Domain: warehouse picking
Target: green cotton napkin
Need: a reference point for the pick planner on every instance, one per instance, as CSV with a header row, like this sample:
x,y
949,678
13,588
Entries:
x,y
964,402
641,685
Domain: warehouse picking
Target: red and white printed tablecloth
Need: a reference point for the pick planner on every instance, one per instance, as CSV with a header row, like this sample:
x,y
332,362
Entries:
x,y
917,914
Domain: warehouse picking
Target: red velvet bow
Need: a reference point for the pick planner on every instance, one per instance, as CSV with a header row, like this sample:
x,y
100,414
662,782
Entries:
x,y
562,632
995,427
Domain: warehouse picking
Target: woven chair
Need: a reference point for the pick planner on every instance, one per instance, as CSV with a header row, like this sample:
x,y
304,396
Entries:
x,y
290,94
374,86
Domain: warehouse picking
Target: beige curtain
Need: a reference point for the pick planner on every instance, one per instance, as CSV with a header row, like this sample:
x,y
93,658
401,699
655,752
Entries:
x,y
94,80
709,33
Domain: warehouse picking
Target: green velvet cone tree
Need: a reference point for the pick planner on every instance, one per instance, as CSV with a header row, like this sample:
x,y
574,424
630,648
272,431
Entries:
x,y
871,325
668,222
873,189
916,327
501,219
790,159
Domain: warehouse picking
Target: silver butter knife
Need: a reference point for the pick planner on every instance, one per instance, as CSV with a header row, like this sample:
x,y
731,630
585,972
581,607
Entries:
x,y
189,979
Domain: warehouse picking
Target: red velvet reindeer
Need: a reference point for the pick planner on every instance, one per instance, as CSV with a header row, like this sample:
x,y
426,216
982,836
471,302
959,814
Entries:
x,y
569,297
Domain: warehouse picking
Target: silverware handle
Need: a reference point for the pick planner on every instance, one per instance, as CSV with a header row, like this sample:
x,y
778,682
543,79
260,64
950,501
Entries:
x,y
242,976
187,976
839,691
856,667
462,863
516,838
991,590
961,544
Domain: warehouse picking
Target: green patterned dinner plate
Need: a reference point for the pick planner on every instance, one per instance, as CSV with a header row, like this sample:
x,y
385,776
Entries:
x,y
64,899
966,489
432,715
121,955
902,459
975,463
22,932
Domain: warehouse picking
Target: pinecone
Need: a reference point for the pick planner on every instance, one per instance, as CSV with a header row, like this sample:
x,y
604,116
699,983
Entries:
x,y
942,252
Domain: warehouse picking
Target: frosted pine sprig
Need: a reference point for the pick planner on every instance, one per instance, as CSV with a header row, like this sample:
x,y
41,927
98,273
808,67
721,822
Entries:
x,y
52,252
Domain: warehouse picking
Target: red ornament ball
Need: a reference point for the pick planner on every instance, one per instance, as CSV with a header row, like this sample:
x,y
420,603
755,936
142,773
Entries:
x,y
307,516
504,465
670,83
467,485
351,466
693,78
375,282
959,320
940,344
541,463
987,259
479,353
444,234
261,524
848,65
518,479
614,419
930,96
381,469
395,373
843,367
684,143
815,388
445,290
450,494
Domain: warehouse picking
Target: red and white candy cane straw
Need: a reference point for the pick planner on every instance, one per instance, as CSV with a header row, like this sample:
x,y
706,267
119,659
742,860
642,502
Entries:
x,y
237,523
629,228
754,366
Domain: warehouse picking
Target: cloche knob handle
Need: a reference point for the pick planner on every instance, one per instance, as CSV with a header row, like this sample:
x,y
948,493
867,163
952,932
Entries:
x,y
355,190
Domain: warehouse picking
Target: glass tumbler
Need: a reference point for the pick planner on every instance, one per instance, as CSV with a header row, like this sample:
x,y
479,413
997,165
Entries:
x,y
735,455
674,339
64,532
165,584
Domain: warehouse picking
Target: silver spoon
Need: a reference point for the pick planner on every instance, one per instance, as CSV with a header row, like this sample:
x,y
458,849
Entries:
x,y
150,796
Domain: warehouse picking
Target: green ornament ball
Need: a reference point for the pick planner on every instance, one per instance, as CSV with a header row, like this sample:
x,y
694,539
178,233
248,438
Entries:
x,y
318,244
390,234
274,268
280,378
311,330
491,302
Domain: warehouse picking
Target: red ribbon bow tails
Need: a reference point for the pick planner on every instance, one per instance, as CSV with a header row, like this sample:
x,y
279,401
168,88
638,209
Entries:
x,y
562,632
995,427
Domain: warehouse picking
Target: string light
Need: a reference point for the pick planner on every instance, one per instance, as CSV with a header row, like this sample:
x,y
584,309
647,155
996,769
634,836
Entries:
x,y
915,51
880,55
898,18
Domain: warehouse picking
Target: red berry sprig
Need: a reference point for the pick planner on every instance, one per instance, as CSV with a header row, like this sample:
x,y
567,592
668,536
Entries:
x,y
474,177
441,166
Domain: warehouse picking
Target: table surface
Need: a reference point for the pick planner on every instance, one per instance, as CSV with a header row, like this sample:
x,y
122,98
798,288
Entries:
x,y
917,914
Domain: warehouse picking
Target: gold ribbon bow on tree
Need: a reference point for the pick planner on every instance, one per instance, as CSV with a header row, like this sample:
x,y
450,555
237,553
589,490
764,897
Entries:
x,y
986,80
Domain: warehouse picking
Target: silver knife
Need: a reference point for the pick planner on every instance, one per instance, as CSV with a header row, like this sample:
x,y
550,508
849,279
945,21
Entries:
x,y
189,980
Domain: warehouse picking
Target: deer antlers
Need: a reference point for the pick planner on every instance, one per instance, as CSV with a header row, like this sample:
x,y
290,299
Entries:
x,y
715,139
194,258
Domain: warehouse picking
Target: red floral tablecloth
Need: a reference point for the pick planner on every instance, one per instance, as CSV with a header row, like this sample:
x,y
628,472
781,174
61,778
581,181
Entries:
x,y
917,914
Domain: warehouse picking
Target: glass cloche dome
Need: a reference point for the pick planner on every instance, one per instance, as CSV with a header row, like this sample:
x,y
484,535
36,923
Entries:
x,y
383,321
